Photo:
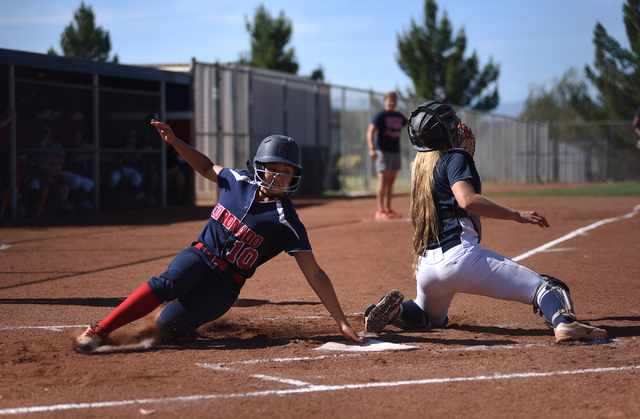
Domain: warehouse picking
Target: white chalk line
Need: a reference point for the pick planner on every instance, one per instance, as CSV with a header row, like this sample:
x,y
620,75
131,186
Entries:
x,y
312,389
51,328
575,233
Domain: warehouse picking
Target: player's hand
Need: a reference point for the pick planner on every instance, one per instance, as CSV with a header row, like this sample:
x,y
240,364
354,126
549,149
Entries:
x,y
348,332
532,217
373,154
164,129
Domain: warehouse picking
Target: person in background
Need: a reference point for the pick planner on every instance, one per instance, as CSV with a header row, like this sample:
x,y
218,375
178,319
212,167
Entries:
x,y
127,175
442,97
636,127
384,149
81,163
7,117
51,163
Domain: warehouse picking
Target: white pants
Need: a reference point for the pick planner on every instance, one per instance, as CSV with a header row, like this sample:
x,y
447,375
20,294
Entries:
x,y
76,182
470,269
132,175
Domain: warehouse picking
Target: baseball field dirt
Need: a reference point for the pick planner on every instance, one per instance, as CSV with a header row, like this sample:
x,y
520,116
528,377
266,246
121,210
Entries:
x,y
496,359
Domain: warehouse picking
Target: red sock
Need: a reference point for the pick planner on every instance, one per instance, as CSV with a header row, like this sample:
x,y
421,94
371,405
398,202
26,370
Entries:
x,y
140,303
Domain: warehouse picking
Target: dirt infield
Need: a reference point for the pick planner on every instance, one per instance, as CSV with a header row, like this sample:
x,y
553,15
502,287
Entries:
x,y
495,359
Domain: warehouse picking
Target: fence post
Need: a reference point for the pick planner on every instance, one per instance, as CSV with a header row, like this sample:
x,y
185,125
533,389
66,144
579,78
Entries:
x,y
163,147
13,147
611,150
343,145
96,142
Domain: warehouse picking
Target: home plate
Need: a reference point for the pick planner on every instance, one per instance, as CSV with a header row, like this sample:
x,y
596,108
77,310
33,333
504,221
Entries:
x,y
371,346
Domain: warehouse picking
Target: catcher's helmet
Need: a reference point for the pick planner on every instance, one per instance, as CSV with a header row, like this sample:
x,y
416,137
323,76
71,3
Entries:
x,y
432,125
278,149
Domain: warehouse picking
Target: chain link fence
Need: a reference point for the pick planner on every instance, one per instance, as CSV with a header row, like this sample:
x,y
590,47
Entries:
x,y
508,150
225,110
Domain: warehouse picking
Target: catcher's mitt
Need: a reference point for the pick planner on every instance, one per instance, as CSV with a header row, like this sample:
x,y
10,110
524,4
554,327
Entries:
x,y
466,140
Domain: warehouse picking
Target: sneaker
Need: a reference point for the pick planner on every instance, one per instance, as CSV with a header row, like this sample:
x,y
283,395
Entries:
x,y
376,317
566,332
381,215
393,214
92,338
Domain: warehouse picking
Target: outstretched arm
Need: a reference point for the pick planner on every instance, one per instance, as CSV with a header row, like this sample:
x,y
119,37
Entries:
x,y
477,204
200,163
321,284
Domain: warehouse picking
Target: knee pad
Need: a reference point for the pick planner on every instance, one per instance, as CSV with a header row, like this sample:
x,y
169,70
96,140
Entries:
x,y
561,291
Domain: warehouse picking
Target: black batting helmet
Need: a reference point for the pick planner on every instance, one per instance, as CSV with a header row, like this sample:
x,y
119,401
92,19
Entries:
x,y
278,149
432,125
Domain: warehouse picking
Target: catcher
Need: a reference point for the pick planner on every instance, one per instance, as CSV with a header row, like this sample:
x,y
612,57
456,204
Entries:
x,y
446,203
253,221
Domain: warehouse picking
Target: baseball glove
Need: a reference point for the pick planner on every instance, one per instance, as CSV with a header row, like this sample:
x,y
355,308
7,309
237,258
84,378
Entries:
x,y
466,140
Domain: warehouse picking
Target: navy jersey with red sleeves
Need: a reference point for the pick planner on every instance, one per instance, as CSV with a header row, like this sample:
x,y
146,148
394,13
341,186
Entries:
x,y
250,233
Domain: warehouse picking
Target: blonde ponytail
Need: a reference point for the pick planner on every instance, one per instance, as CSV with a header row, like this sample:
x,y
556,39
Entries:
x,y
423,211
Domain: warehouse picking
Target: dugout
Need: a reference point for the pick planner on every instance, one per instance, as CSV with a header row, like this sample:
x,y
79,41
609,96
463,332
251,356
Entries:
x,y
102,100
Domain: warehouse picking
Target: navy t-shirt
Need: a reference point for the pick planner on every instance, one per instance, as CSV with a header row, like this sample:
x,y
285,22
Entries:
x,y
389,126
453,166
251,232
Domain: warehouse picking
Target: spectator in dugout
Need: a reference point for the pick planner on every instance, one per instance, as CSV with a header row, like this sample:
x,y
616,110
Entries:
x,y
49,164
125,180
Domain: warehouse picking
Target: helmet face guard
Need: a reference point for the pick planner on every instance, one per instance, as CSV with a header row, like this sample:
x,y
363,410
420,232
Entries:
x,y
432,125
278,149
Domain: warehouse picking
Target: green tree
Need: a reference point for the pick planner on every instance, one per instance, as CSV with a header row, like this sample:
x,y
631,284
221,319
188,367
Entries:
x,y
562,100
269,38
435,62
318,73
83,40
615,71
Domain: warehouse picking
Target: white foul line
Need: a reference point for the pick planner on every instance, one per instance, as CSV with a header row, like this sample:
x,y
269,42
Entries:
x,y
576,233
311,389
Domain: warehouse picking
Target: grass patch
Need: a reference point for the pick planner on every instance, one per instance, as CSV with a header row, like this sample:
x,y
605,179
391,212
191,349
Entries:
x,y
604,190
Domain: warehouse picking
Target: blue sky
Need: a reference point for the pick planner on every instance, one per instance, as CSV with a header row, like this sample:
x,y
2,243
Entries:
x,y
355,41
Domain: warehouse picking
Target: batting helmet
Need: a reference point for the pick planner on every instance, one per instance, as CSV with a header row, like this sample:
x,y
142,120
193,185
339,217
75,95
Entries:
x,y
432,125
278,149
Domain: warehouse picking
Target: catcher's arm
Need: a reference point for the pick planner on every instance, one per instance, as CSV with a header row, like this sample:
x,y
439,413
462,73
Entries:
x,y
472,202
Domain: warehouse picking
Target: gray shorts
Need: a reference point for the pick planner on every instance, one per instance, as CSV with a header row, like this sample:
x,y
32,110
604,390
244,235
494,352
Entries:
x,y
388,161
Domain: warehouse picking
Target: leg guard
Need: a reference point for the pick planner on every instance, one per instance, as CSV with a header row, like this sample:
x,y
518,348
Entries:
x,y
560,290
411,317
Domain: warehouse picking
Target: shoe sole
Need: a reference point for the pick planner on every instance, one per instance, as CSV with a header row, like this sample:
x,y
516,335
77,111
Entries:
x,y
565,336
377,317
85,347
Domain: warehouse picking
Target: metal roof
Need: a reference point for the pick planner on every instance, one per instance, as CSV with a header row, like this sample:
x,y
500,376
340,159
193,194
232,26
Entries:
x,y
80,65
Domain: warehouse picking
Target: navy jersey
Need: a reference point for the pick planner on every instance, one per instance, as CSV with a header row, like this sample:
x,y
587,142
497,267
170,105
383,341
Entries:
x,y
389,126
452,166
250,233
